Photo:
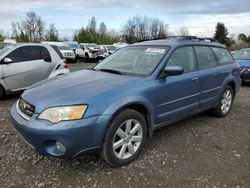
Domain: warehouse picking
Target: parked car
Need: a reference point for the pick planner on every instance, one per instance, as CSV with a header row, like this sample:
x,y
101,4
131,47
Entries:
x,y
242,57
113,108
67,53
7,42
3,45
25,64
89,51
109,49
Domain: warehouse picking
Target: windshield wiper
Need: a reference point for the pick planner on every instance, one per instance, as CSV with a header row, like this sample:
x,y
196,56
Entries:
x,y
111,71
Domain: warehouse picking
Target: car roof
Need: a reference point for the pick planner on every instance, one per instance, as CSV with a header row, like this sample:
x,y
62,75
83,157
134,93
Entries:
x,y
175,42
31,44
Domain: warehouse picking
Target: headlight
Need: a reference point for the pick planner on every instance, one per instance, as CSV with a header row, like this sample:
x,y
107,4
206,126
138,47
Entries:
x,y
65,113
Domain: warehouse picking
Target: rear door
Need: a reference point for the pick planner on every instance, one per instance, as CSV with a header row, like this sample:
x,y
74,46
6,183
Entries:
x,y
178,96
211,76
30,64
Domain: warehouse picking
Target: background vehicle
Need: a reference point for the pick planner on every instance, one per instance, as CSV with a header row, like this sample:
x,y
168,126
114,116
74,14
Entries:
x,y
7,42
22,65
114,107
109,49
89,51
67,53
242,57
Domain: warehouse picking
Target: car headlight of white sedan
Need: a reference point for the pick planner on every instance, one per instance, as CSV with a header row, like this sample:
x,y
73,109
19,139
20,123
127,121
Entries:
x,y
64,113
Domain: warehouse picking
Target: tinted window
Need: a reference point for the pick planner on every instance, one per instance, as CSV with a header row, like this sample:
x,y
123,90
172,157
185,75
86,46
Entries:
x,y
29,53
183,57
19,54
223,55
58,52
205,57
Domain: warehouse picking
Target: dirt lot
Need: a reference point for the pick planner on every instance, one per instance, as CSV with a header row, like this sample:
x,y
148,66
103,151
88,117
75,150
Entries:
x,y
202,151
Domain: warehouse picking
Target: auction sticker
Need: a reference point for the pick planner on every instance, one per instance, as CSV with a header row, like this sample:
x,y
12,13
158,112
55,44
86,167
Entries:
x,y
155,50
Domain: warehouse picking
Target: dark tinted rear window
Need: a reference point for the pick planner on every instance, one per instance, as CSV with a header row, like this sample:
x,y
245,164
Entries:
x,y
58,52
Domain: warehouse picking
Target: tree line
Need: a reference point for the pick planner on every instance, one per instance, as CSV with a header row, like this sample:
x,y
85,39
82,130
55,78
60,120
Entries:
x,y
137,28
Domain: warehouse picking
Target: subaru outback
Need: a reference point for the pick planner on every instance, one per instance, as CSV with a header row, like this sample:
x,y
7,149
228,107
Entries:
x,y
113,108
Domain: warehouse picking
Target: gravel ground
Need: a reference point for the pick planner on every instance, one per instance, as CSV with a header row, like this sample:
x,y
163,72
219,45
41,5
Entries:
x,y
202,151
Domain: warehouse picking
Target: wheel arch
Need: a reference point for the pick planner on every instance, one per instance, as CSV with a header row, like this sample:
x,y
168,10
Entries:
x,y
139,106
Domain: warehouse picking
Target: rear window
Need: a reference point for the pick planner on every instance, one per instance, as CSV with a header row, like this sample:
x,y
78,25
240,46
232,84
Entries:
x,y
58,51
223,55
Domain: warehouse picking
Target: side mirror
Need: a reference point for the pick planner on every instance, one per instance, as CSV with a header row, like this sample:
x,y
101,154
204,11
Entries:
x,y
7,60
173,70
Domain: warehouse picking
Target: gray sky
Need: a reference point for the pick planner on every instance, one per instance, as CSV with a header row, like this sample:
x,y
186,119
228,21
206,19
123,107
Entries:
x,y
199,16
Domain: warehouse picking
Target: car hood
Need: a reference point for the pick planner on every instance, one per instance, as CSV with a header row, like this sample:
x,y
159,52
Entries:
x,y
74,88
244,63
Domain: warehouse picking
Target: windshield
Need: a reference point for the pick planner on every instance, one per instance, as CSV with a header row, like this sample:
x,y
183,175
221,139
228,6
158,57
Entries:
x,y
111,48
136,60
64,48
4,50
242,54
91,46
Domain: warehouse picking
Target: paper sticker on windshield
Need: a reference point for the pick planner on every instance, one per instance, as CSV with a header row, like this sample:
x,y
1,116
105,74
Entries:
x,y
155,50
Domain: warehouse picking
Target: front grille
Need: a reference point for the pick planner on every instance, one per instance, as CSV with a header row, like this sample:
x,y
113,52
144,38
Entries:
x,y
26,108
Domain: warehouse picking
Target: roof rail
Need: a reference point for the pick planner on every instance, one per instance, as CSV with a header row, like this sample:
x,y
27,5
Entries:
x,y
193,38
179,38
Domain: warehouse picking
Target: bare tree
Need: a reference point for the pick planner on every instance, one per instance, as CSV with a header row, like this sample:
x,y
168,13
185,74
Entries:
x,y
142,28
32,28
52,33
183,31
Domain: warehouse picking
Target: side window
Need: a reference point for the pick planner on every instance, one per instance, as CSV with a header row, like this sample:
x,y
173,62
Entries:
x,y
45,55
184,57
18,55
205,57
223,55
33,53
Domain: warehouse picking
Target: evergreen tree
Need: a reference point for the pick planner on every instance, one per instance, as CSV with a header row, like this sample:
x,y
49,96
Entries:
x,y
221,33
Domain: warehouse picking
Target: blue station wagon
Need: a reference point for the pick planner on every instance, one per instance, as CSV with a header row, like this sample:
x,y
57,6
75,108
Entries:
x,y
113,108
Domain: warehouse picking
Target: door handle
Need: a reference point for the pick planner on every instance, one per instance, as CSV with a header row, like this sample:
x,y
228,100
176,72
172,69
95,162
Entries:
x,y
195,79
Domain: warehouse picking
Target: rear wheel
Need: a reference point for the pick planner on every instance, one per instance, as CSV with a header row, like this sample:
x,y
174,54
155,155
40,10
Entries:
x,y
226,102
124,138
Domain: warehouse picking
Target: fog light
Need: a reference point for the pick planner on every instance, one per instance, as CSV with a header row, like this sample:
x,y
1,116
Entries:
x,y
60,147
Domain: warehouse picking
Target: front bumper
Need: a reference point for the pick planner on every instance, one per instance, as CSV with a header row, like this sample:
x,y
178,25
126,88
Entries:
x,y
83,136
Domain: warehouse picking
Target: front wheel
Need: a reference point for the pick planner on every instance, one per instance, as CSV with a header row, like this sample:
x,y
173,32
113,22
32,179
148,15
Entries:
x,y
226,102
124,138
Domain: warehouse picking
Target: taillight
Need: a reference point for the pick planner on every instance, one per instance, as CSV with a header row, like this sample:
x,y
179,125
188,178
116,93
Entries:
x,y
66,66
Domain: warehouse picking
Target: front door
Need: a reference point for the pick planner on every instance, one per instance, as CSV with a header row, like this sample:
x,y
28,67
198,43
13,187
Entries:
x,y
178,96
27,67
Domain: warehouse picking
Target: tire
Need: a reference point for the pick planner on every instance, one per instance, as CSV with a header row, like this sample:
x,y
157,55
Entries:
x,y
2,93
226,102
87,56
121,146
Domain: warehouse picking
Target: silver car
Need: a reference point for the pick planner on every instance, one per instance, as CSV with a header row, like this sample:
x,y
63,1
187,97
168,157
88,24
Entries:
x,y
23,65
